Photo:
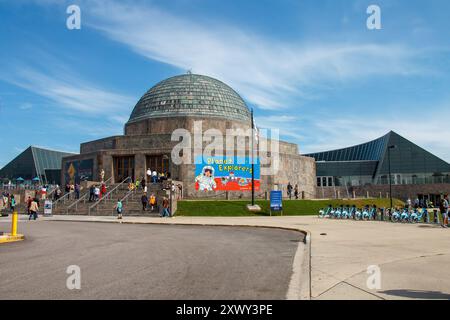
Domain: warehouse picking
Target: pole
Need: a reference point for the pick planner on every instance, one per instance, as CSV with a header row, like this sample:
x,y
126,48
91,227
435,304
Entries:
x,y
14,224
253,162
390,175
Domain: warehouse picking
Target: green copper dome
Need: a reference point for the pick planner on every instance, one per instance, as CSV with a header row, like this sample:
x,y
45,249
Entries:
x,y
191,95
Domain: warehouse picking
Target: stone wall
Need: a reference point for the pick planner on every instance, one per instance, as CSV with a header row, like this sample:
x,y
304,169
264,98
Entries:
x,y
402,192
153,137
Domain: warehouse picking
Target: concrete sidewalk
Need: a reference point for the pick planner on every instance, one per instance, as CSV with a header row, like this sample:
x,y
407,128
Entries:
x,y
413,259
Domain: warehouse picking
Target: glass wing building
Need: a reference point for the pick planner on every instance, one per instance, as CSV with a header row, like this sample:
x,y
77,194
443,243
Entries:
x,y
35,162
368,164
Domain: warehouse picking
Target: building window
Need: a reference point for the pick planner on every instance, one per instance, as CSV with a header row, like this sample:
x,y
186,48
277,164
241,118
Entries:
x,y
325,181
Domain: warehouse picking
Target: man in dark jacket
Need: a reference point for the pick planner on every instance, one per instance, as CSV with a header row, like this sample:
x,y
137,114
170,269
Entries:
x,y
144,201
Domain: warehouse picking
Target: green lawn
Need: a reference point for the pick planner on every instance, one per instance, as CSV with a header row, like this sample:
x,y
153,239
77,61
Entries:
x,y
223,208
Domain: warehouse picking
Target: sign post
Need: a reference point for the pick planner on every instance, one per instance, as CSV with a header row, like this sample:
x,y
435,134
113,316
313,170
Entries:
x,y
276,201
48,206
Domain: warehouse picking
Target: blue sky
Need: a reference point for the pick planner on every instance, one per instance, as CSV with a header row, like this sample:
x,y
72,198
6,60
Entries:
x,y
309,68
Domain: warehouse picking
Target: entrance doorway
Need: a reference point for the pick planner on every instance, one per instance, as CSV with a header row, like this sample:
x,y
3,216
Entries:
x,y
158,163
123,168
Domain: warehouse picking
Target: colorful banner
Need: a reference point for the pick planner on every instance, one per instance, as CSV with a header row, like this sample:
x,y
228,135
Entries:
x,y
226,174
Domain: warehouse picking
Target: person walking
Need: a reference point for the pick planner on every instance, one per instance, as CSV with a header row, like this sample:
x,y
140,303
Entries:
x,y
34,208
102,190
137,183
29,200
91,193
44,192
152,202
96,193
143,184
444,212
296,191
119,209
77,191
165,205
13,203
72,190
289,191
144,201
154,176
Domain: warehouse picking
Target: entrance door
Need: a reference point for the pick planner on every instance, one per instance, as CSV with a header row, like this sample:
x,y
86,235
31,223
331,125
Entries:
x,y
123,168
159,163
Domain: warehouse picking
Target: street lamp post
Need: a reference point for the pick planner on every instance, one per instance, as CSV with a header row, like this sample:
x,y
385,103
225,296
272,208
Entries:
x,y
390,175
253,162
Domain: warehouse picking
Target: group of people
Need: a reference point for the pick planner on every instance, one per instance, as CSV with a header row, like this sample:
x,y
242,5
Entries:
x,y
147,202
32,208
8,201
97,191
443,204
155,177
292,191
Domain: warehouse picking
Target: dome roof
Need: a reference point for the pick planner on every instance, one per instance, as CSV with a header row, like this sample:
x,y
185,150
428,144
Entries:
x,y
191,95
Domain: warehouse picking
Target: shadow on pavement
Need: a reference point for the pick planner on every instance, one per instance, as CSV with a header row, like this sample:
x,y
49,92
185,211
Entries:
x,y
418,294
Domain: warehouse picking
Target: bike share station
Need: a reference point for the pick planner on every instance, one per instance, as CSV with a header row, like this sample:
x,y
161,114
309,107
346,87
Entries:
x,y
405,215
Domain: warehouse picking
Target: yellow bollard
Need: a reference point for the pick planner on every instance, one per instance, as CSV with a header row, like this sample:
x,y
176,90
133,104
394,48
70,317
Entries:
x,y
14,224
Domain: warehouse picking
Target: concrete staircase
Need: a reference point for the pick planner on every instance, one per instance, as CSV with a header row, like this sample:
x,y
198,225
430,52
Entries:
x,y
105,207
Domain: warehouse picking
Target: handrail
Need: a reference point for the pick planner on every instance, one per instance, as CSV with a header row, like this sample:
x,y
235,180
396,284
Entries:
x,y
62,198
107,195
83,197
129,193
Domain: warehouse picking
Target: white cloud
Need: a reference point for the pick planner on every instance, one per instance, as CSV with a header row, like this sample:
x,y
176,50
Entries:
x,y
269,73
69,92
430,132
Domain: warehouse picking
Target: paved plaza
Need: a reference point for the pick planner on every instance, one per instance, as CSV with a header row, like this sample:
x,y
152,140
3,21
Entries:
x,y
413,259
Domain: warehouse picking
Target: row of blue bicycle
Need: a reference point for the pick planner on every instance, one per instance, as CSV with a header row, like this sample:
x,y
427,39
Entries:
x,y
372,213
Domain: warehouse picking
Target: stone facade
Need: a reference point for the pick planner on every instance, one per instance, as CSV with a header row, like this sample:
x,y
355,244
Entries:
x,y
153,137
187,102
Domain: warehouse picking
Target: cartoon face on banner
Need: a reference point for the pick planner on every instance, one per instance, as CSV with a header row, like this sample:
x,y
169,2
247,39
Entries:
x,y
226,174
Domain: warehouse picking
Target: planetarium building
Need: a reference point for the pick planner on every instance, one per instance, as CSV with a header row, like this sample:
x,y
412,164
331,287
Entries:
x,y
187,102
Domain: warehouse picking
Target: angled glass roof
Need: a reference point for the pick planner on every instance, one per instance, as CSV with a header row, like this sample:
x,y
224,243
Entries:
x,y
370,151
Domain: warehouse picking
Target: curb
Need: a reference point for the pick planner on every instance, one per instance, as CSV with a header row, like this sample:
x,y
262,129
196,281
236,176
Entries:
x,y
298,289
9,238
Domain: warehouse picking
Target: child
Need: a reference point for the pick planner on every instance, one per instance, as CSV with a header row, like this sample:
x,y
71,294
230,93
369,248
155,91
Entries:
x,y
119,209
152,202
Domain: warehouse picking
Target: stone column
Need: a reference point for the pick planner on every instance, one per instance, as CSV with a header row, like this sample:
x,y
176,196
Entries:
x,y
139,166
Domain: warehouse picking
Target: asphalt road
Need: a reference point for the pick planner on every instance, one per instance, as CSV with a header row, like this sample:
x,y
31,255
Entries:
x,y
147,261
